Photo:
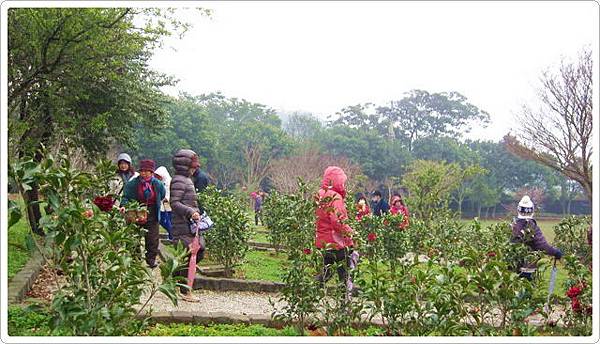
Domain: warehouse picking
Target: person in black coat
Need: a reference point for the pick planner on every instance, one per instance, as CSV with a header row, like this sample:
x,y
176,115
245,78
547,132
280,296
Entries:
x,y
378,205
200,180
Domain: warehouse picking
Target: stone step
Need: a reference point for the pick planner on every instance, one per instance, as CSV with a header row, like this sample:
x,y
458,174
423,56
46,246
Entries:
x,y
232,284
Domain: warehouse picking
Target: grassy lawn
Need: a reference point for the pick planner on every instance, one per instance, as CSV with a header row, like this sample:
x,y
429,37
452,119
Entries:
x,y
262,265
547,226
217,330
258,265
260,237
20,244
22,322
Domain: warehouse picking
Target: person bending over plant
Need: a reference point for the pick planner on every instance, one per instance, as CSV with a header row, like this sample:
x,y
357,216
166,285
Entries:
x,y
525,230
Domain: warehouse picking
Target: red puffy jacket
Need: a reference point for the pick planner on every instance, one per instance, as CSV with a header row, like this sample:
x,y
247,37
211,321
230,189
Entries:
x,y
401,209
331,211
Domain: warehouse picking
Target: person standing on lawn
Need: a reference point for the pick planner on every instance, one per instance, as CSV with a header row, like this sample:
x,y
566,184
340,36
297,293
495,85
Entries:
x,y
185,210
165,208
378,204
332,233
149,191
399,208
525,230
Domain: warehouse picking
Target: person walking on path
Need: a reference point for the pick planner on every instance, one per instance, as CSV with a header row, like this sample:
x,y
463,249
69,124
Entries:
x,y
165,208
332,233
149,191
185,210
525,230
258,201
399,208
125,172
379,205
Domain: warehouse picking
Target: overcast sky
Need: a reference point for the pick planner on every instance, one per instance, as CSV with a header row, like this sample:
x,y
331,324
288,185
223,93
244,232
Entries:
x,y
322,56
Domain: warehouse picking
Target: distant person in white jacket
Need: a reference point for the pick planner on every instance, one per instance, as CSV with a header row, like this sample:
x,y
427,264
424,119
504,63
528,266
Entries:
x,y
165,208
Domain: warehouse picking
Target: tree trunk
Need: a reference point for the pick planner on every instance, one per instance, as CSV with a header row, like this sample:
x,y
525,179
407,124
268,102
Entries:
x,y
479,210
494,211
569,206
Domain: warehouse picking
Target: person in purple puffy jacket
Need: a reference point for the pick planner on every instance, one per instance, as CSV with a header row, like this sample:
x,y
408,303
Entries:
x,y
526,230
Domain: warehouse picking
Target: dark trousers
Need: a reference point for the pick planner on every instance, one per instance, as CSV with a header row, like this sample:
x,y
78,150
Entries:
x,y
332,257
152,236
183,268
257,216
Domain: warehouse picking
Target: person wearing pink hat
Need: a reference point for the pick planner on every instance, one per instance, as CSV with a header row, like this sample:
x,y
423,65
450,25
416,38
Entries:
x,y
147,190
399,208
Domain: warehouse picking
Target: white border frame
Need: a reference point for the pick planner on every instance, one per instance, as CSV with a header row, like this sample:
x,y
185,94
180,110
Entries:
x,y
5,5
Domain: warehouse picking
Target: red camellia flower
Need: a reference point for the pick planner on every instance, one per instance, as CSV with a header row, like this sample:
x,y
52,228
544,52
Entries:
x,y
574,291
576,305
307,251
372,237
105,203
491,254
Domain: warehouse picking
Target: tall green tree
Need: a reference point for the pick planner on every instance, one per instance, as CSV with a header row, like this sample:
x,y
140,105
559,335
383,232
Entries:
x,y
430,185
82,74
423,114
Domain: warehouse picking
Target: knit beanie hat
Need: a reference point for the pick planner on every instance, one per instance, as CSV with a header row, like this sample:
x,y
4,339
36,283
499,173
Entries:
x,y
147,165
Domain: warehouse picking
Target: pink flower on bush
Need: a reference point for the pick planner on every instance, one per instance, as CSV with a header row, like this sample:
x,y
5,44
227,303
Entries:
x,y
105,203
372,237
307,251
491,254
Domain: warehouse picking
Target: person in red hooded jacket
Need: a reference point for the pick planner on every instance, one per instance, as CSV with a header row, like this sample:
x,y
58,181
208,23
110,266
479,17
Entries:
x,y
398,207
331,231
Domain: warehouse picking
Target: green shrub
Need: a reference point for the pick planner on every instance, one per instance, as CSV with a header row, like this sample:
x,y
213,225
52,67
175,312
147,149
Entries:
x,y
227,241
571,237
100,255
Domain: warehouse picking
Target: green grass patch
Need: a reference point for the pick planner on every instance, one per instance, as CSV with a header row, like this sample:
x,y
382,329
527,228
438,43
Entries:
x,y
547,226
20,243
218,330
23,322
264,266
260,237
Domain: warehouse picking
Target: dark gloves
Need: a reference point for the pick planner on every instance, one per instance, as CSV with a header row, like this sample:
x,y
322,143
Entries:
x,y
558,254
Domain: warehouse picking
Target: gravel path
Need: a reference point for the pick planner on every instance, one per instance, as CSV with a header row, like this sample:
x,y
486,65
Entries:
x,y
233,302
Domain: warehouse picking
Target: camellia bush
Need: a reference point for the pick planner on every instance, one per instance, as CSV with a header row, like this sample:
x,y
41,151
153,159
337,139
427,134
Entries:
x,y
99,254
227,241
571,237
440,277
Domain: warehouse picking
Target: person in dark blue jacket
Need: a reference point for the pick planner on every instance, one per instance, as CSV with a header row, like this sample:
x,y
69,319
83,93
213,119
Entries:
x,y
200,180
378,205
147,190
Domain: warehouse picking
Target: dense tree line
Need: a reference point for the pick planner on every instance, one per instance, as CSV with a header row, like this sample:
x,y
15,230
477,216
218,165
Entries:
x,y
248,144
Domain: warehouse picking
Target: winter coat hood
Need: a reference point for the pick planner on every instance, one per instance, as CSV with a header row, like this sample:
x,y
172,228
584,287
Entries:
x,y
124,157
334,179
183,160
164,174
